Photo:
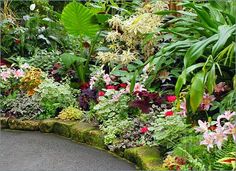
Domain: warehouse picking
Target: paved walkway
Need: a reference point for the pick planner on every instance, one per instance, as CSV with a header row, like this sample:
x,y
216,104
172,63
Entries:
x,y
34,151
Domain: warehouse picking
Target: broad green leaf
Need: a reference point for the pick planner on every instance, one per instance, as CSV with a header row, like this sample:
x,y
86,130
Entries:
x,y
225,32
211,79
119,73
69,59
78,20
196,91
180,82
197,49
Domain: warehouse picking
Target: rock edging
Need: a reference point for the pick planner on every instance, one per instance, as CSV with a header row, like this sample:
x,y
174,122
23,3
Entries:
x,y
146,158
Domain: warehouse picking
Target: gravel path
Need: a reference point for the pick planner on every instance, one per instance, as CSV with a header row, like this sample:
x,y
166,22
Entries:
x,y
35,151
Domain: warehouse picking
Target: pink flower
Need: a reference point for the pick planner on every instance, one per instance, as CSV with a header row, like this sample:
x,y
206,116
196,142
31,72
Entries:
x,y
219,136
107,79
206,102
171,98
169,113
5,75
231,129
18,73
138,87
92,81
208,140
220,87
183,107
144,129
203,126
227,115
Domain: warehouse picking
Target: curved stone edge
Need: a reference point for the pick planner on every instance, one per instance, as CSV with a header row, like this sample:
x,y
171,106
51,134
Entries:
x,y
146,158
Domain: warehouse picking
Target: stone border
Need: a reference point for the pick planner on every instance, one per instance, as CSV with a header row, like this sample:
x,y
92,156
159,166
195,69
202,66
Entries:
x,y
146,158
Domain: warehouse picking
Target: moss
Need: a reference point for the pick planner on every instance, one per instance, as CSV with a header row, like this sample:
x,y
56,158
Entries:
x,y
3,123
147,158
79,131
63,128
28,125
95,138
47,125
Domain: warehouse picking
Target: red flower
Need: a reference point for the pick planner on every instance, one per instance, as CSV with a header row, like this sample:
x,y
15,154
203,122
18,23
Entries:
x,y
84,86
123,85
101,93
111,87
169,113
171,98
143,130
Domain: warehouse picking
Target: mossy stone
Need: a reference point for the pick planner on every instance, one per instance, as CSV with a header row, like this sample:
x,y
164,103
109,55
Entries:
x,y
80,130
146,158
95,138
47,125
63,128
3,123
28,125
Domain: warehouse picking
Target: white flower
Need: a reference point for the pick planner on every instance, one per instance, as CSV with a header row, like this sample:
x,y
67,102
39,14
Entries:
x,y
32,7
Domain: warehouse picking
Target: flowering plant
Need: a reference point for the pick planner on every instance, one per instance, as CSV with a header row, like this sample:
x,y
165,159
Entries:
x,y
224,129
10,78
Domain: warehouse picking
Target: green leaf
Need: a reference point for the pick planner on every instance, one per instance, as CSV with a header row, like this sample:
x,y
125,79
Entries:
x,y
133,81
197,49
225,32
78,20
211,78
69,59
196,91
180,82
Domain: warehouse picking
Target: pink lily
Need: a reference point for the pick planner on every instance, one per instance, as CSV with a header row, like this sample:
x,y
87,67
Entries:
x,y
219,136
227,115
203,126
208,140
107,79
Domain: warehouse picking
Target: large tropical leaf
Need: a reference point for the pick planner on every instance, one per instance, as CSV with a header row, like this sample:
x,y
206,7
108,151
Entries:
x,y
197,91
78,20
225,32
197,49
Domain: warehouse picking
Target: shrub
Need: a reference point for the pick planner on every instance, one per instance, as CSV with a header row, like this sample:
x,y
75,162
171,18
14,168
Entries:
x,y
70,113
55,96
21,106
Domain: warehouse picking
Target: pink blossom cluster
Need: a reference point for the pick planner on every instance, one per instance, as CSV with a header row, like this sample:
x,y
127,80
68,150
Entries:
x,y
221,131
7,73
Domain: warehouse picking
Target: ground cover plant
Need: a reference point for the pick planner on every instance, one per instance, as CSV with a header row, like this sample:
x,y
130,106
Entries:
x,y
145,73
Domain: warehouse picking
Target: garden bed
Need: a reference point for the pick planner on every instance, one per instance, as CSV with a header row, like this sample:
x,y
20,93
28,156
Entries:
x,y
145,158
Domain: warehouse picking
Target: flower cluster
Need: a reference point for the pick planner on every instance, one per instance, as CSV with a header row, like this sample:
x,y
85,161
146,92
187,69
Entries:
x,y
219,132
206,102
8,73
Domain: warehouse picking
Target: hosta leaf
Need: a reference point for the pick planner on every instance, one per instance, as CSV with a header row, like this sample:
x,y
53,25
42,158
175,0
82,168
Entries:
x,y
196,91
197,49
78,20
225,32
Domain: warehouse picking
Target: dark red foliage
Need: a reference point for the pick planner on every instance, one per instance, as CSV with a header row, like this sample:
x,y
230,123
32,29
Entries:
x,y
144,101
84,86
87,97
122,85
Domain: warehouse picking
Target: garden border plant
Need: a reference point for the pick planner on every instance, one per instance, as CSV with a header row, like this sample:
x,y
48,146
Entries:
x,y
145,158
